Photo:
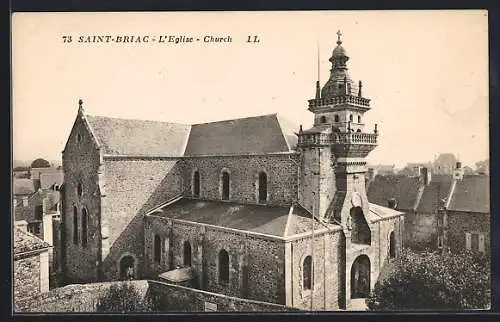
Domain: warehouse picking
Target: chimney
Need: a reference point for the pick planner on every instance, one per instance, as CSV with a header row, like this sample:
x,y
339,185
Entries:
x,y
425,176
458,174
392,203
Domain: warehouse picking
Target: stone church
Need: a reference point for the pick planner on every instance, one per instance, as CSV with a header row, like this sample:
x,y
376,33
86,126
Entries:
x,y
256,208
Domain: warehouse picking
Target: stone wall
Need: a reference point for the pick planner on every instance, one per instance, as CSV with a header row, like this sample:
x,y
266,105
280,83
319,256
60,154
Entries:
x,y
73,298
133,187
31,274
173,298
165,297
244,170
420,231
81,162
461,222
256,264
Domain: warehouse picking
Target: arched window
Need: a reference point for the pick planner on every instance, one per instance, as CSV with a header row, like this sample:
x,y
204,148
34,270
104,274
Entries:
x,y
361,233
79,189
75,225
262,187
336,118
307,273
225,185
187,253
322,119
84,227
223,267
358,130
359,118
196,184
157,249
351,118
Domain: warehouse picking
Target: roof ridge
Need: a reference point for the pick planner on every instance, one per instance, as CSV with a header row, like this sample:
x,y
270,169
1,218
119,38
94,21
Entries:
x,y
236,119
135,119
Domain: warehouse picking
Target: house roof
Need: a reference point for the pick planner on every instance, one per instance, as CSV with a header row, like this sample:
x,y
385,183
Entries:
x,y
269,220
47,180
37,172
471,194
139,137
445,158
260,134
23,186
403,188
25,242
433,193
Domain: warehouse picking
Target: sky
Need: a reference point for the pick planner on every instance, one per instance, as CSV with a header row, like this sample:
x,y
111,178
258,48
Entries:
x,y
426,73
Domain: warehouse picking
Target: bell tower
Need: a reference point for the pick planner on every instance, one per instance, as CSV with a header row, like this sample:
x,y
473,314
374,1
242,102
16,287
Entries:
x,y
333,151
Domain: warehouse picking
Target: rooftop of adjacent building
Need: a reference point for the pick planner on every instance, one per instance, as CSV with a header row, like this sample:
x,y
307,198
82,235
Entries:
x,y
26,242
470,194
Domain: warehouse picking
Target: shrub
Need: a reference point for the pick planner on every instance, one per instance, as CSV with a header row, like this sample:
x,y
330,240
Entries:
x,y
434,281
122,298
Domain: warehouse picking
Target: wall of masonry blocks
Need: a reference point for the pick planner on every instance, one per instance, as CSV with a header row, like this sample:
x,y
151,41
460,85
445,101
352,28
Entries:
x,y
256,264
281,173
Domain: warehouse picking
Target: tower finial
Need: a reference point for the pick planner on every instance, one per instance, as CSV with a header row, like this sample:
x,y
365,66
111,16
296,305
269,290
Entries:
x,y
339,33
80,103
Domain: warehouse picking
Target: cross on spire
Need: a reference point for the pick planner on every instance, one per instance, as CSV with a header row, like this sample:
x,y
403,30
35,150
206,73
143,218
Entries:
x,y
339,33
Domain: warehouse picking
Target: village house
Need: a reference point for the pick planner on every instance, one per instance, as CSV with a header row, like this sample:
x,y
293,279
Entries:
x,y
256,208
441,210
31,264
40,211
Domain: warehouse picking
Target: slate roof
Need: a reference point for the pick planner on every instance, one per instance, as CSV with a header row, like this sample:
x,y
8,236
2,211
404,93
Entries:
x,y
23,186
269,220
139,137
25,241
259,134
378,212
404,189
252,135
433,193
37,172
471,194
47,180
445,158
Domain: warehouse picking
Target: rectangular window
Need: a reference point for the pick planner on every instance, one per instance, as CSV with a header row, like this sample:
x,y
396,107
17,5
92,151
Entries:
x,y
474,242
34,228
157,249
25,201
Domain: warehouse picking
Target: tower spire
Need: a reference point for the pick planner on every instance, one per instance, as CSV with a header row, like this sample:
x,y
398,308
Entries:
x,y
318,89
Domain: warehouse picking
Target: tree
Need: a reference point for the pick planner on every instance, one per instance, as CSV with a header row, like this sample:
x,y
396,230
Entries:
x,y
123,297
433,281
40,163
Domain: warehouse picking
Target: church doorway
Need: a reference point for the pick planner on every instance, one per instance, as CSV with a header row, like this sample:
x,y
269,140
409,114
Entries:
x,y
360,277
127,267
